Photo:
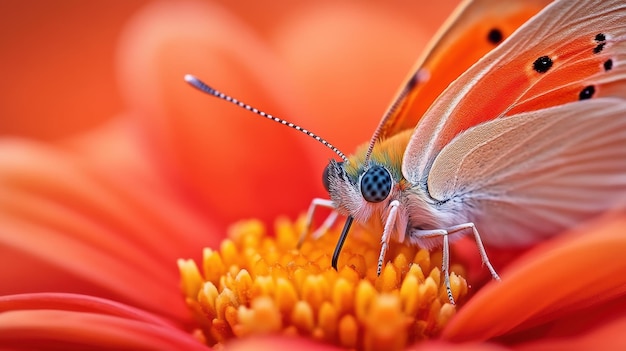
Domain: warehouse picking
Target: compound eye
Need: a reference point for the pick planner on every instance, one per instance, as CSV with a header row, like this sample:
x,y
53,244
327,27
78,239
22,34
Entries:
x,y
376,184
326,175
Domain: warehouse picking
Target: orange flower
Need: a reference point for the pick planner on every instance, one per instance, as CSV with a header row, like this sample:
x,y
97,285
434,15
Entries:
x,y
91,227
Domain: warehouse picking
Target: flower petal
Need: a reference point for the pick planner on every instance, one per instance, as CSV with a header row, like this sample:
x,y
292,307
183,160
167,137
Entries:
x,y
292,343
447,346
576,270
76,302
54,321
92,232
278,343
608,336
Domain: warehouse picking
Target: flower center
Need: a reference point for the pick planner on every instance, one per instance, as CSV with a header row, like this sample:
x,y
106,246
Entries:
x,y
257,284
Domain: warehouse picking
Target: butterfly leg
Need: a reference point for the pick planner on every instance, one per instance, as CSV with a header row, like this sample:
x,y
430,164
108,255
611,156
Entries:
x,y
328,222
445,264
479,244
445,267
384,241
309,219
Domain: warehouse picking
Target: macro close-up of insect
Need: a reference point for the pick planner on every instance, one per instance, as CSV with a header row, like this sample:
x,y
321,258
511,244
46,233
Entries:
x,y
472,192
528,141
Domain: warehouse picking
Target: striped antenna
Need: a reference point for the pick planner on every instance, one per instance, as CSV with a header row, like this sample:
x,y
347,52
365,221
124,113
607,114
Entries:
x,y
200,85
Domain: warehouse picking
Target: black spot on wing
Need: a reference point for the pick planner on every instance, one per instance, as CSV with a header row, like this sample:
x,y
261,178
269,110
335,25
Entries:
x,y
587,92
542,64
598,49
600,38
495,36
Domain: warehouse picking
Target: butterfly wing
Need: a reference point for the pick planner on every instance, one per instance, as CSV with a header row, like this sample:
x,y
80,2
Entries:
x,y
569,48
474,29
534,174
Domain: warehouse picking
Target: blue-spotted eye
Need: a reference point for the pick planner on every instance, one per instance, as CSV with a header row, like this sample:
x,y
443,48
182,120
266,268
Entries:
x,y
376,184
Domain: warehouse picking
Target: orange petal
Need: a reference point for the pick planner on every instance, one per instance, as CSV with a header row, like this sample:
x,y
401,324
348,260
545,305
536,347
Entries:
x,y
76,302
63,321
435,345
278,343
112,236
609,336
232,162
290,343
576,270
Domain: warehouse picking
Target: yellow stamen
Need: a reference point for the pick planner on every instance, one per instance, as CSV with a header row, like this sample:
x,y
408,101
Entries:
x,y
256,284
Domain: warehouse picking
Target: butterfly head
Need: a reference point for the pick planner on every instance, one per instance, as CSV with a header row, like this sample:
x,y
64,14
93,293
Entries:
x,y
359,191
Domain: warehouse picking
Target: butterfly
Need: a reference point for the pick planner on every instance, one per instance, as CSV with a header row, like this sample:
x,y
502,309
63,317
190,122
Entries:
x,y
511,129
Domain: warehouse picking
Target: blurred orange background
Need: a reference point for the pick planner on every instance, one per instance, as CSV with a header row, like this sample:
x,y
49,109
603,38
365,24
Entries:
x,y
58,66
70,66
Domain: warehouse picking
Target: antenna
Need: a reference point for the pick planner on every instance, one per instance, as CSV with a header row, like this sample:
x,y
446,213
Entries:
x,y
200,85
